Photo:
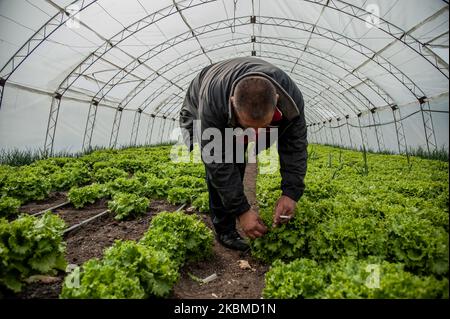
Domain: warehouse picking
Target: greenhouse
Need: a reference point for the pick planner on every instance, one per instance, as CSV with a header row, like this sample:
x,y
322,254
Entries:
x,y
350,201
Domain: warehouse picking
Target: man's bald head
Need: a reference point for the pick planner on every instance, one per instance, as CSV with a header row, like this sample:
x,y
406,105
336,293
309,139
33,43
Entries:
x,y
255,98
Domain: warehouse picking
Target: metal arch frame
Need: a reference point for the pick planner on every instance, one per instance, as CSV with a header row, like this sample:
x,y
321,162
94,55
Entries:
x,y
429,129
340,10
145,104
391,29
407,83
363,135
90,60
375,88
183,36
168,102
412,90
147,135
334,39
121,36
395,32
116,126
356,46
119,81
39,37
310,108
379,135
156,93
428,126
145,57
399,130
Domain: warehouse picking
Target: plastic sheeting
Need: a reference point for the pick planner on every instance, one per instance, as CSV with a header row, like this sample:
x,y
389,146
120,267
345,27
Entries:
x,y
347,58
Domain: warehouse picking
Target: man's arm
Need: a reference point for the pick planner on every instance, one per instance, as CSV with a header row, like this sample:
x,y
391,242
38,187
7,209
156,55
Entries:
x,y
292,148
188,114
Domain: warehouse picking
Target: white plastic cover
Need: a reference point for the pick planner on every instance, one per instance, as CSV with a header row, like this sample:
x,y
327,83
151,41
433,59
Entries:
x,y
347,57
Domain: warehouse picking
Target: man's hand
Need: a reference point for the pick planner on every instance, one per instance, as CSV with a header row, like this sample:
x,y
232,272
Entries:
x,y
251,224
284,210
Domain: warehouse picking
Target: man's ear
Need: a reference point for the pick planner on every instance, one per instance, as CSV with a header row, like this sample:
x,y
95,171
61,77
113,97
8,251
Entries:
x,y
278,96
232,100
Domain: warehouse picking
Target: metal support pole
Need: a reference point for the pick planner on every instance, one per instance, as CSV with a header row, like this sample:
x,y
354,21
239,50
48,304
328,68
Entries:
x,y
135,127
148,136
348,131
399,130
115,128
378,134
363,139
90,122
172,127
153,126
331,133
340,133
51,125
430,136
162,132
321,133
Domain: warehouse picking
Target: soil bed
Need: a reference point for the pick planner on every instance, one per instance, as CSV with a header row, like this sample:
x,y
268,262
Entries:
x,y
90,240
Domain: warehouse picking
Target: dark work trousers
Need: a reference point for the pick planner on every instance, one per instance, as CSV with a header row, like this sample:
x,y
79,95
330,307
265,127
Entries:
x,y
222,220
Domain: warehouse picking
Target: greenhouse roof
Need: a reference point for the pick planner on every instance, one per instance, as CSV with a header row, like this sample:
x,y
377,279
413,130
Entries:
x,y
76,74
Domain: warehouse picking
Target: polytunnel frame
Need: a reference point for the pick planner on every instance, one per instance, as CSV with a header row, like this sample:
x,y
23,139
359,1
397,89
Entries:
x,y
270,54
190,55
354,11
340,6
401,138
410,85
156,93
203,52
332,60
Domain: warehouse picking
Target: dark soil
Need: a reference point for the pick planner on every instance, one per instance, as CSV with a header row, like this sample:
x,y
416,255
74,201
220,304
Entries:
x,y
90,240
232,281
53,199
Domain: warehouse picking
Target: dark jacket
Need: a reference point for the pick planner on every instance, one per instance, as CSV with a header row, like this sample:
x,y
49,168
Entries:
x,y
207,99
